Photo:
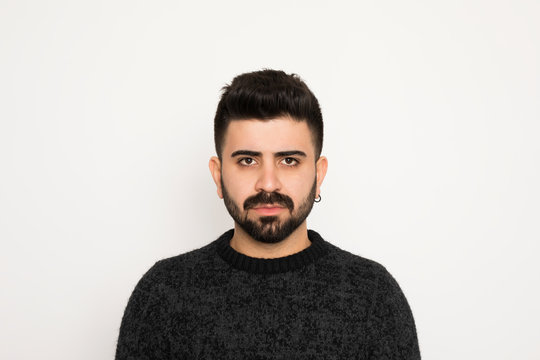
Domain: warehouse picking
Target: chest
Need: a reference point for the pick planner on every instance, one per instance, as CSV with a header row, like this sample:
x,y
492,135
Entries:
x,y
265,320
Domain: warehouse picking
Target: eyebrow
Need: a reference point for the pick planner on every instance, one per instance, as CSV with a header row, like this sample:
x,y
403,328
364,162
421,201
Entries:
x,y
290,153
276,154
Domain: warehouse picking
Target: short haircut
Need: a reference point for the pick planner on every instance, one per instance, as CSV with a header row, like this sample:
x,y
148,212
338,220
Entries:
x,y
265,95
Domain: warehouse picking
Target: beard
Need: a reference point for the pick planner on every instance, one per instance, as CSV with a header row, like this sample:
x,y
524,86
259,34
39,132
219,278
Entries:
x,y
270,229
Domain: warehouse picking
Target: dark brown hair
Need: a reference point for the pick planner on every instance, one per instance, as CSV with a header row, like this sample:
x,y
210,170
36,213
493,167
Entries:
x,y
265,95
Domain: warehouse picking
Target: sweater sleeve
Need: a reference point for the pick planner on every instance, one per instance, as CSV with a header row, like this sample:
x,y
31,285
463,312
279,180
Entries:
x,y
392,334
143,333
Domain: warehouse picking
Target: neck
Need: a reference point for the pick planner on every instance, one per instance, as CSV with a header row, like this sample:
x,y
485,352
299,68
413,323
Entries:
x,y
297,241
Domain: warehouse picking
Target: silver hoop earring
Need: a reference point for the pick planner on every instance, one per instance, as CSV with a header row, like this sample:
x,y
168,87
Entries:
x,y
318,199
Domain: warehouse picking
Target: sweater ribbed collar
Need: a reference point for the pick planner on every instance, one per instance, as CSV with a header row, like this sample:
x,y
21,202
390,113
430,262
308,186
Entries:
x,y
240,261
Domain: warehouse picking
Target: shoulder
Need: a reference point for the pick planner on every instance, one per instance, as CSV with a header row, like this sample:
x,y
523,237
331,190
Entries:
x,y
366,275
347,262
386,294
167,274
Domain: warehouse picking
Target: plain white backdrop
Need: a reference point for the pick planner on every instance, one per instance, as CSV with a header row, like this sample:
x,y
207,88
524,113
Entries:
x,y
431,112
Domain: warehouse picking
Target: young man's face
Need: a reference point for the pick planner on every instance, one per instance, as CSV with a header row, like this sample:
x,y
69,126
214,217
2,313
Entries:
x,y
268,176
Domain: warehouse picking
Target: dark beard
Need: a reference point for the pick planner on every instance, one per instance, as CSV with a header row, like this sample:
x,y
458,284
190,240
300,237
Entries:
x,y
269,229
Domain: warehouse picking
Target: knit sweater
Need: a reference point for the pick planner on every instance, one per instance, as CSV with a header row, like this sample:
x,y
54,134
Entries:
x,y
216,303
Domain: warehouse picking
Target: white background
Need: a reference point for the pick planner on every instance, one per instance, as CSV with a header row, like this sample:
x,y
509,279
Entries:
x,y
432,132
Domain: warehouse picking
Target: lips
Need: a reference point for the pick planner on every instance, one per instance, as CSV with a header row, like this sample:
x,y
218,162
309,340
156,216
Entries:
x,y
268,210
268,206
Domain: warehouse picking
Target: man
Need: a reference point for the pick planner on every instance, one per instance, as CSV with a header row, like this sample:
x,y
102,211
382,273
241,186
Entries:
x,y
269,288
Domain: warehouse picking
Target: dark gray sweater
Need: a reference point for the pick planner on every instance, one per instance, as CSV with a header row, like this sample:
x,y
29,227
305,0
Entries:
x,y
216,303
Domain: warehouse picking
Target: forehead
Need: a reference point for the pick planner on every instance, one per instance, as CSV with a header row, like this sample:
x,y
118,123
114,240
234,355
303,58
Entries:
x,y
279,134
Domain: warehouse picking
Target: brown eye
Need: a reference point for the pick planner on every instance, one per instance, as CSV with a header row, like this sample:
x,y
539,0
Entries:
x,y
289,161
246,161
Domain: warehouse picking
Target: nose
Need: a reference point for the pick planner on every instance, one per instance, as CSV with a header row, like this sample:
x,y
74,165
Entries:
x,y
268,179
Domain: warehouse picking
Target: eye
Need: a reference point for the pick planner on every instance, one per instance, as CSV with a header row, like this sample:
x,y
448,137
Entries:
x,y
289,161
247,161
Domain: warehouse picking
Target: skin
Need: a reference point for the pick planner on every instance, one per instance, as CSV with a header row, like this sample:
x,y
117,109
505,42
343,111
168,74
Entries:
x,y
271,155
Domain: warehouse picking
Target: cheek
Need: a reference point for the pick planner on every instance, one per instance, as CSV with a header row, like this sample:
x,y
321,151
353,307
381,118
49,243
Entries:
x,y
238,187
299,185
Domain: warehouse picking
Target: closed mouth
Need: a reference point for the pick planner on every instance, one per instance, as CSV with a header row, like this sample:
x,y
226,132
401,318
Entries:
x,y
268,206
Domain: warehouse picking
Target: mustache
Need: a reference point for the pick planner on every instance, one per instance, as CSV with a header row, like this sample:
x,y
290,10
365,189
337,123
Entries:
x,y
264,197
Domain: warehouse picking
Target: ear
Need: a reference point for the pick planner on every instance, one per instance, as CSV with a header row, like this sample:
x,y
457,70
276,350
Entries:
x,y
322,166
215,170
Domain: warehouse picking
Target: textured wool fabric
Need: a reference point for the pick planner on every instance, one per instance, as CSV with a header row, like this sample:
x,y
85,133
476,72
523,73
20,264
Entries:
x,y
216,303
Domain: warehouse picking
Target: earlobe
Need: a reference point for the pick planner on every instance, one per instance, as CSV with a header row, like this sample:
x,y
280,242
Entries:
x,y
322,166
215,170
